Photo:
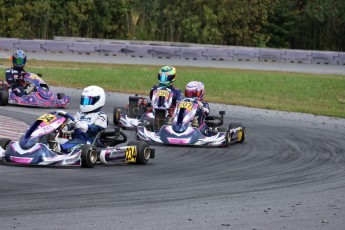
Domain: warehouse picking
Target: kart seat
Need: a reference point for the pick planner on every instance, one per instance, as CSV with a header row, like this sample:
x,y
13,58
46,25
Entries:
x,y
112,137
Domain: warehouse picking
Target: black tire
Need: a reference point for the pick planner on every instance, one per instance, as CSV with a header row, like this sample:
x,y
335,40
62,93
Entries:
x,y
4,142
116,116
227,138
3,98
60,95
143,151
88,156
152,153
241,136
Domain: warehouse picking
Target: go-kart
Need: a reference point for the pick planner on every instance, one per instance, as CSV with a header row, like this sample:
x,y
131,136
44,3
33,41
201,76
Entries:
x,y
41,145
40,95
142,110
182,129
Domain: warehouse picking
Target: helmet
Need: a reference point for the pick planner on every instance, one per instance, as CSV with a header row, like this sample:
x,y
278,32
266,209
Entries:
x,y
92,98
195,89
19,58
166,75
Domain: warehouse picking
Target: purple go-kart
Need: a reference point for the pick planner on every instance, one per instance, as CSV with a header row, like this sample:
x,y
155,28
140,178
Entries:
x,y
42,143
182,129
40,96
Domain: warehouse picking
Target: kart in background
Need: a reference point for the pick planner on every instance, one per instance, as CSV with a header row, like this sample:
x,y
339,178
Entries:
x,y
40,145
183,129
141,110
41,96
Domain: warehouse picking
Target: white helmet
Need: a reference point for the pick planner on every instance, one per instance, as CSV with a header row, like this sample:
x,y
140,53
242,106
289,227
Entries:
x,y
92,98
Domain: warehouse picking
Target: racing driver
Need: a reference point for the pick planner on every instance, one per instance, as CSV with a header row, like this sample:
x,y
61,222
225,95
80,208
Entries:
x,y
90,120
166,77
15,75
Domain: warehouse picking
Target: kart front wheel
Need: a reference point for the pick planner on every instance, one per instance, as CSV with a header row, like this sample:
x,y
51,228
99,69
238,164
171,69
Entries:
x,y
4,142
88,156
3,98
143,151
240,134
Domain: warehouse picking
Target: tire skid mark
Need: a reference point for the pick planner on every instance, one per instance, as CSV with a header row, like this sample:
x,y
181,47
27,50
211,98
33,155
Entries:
x,y
11,128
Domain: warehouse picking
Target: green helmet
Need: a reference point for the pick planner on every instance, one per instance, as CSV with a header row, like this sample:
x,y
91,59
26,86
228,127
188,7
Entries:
x,y
166,75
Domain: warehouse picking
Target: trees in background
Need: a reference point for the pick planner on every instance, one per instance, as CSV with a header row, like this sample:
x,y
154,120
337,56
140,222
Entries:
x,y
296,24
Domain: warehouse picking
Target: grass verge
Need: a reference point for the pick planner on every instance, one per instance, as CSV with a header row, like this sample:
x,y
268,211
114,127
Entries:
x,y
295,92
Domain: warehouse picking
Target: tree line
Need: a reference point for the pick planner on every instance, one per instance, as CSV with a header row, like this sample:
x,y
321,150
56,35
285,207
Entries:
x,y
292,24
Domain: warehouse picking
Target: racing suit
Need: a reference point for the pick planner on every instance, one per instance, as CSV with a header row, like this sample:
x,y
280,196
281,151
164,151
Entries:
x,y
178,96
86,128
15,80
202,112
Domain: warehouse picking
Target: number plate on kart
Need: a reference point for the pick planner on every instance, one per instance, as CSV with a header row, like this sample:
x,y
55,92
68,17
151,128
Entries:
x,y
163,93
33,76
47,118
131,154
185,105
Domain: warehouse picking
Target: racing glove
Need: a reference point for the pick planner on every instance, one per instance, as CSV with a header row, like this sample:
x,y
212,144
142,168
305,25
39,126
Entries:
x,y
81,126
200,105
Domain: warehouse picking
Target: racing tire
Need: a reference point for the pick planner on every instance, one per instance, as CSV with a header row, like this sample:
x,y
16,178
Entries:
x,y
3,98
4,142
60,95
143,151
89,156
116,116
227,138
241,136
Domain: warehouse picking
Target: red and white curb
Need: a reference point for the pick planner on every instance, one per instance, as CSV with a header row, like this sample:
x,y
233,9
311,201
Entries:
x,y
11,128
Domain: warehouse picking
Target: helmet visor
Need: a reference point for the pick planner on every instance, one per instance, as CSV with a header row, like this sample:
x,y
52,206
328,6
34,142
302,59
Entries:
x,y
189,93
165,78
87,100
19,61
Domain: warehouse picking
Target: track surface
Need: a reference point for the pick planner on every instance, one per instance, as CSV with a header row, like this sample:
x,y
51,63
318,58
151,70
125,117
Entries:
x,y
289,174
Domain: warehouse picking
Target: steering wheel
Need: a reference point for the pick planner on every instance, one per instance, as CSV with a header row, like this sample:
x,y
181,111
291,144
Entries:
x,y
64,114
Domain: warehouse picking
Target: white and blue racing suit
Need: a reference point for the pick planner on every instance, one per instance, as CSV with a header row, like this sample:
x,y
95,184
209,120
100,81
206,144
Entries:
x,y
89,125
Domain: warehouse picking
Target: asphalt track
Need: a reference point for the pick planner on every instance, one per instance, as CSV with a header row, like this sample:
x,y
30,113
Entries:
x,y
288,174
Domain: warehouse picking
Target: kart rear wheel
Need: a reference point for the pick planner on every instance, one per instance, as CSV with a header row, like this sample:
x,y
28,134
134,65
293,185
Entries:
x,y
88,156
227,138
3,98
241,133
116,116
143,151
60,95
4,142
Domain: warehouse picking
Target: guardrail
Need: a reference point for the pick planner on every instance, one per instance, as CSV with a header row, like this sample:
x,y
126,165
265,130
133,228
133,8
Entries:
x,y
166,50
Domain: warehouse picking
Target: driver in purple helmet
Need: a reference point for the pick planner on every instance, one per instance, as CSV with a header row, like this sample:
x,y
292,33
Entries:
x,y
196,90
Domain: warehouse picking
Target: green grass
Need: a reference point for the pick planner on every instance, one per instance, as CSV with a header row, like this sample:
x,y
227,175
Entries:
x,y
297,92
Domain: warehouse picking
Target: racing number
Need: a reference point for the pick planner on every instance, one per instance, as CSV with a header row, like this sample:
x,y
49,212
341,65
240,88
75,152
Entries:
x,y
131,154
186,105
163,93
33,76
47,118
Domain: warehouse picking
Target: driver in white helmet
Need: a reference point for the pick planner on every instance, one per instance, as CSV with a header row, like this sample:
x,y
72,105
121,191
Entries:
x,y
90,120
